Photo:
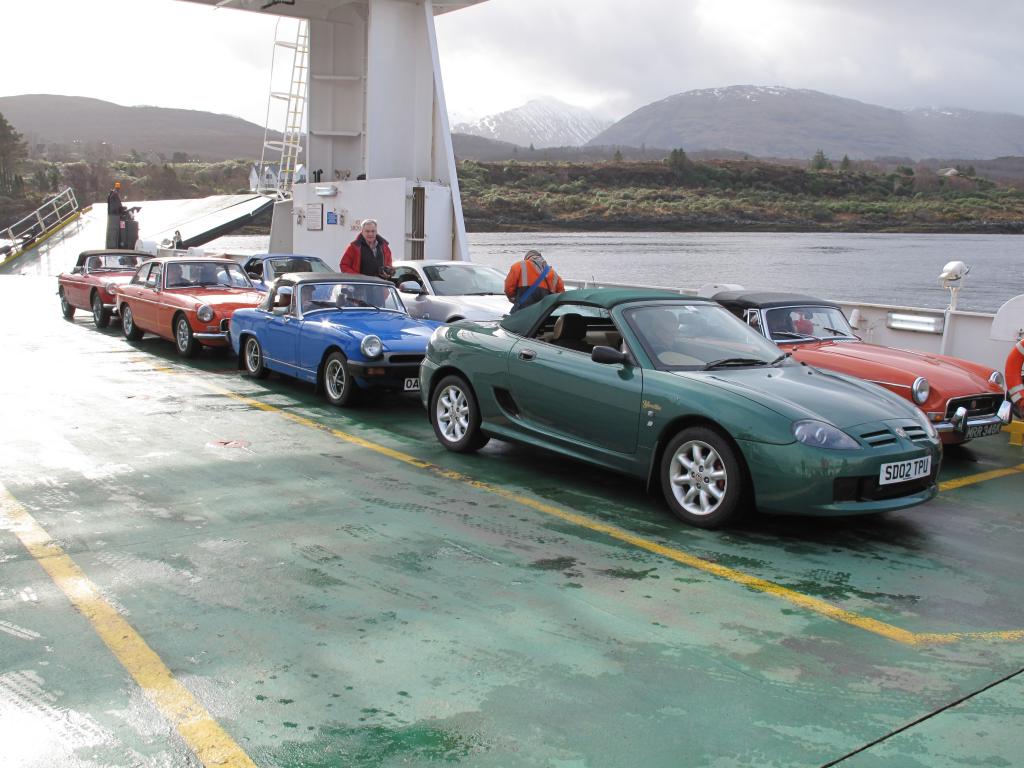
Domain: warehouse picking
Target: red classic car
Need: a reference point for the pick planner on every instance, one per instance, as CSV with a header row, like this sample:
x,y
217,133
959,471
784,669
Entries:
x,y
188,301
90,285
963,400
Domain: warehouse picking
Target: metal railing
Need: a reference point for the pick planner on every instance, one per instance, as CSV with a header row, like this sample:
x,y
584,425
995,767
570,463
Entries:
x,y
51,215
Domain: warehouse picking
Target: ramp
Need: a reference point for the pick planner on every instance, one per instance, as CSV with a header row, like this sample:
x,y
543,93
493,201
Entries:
x,y
199,221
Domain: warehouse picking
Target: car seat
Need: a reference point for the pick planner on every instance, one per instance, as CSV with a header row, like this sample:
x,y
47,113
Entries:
x,y
570,330
95,262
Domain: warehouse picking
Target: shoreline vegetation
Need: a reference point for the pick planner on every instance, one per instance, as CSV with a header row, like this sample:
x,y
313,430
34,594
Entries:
x,y
677,193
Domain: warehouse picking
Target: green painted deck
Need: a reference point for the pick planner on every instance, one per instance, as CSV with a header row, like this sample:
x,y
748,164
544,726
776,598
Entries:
x,y
329,604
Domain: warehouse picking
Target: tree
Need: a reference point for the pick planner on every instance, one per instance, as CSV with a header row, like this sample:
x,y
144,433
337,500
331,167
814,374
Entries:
x,y
845,165
819,162
181,157
678,161
12,151
618,155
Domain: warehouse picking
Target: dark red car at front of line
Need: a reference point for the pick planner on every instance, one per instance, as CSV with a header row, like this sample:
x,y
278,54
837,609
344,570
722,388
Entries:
x,y
187,301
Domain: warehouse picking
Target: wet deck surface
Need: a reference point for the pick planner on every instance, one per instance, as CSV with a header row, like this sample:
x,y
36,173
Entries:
x,y
330,604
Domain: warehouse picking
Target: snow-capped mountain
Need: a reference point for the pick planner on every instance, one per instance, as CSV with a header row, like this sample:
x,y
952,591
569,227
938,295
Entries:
x,y
786,122
540,122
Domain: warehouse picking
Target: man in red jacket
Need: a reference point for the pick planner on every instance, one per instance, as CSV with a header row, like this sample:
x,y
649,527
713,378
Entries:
x,y
368,254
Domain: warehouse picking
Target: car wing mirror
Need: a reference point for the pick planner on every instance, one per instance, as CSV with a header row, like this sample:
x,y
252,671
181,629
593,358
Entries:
x,y
411,286
609,356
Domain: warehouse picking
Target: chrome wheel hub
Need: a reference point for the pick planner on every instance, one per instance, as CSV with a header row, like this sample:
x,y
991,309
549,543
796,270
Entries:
x,y
334,379
452,413
182,334
252,355
698,478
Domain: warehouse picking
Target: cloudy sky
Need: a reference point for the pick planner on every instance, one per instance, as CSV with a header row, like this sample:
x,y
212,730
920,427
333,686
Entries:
x,y
607,55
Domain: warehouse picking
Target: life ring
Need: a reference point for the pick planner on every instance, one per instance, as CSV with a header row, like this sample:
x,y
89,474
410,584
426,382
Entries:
x,y
1015,387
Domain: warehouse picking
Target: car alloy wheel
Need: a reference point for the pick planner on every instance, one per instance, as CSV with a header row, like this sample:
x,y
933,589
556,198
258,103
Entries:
x,y
254,358
100,314
702,478
337,383
131,330
65,308
455,416
183,339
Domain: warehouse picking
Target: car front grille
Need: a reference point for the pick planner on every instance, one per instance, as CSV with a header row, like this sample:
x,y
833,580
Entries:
x,y
878,437
976,405
866,488
225,325
400,359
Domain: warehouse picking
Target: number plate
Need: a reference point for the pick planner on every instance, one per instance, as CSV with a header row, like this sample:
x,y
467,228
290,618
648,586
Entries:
x,y
983,430
411,385
901,471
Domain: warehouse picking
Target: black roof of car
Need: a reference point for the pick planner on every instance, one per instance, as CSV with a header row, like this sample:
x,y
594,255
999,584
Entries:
x,y
329,277
523,321
767,299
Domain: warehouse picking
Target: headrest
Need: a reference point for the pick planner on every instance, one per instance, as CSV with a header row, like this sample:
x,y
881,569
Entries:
x,y
570,326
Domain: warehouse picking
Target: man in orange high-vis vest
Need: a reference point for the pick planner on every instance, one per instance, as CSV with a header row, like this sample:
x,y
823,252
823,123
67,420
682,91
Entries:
x,y
530,280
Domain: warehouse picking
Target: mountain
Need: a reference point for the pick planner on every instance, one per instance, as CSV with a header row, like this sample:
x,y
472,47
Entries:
x,y
540,122
789,123
65,120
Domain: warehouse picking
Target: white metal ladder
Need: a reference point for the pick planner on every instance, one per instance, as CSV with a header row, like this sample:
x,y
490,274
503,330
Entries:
x,y
51,215
280,181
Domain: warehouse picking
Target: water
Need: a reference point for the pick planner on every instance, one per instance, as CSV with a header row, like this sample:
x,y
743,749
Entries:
x,y
874,268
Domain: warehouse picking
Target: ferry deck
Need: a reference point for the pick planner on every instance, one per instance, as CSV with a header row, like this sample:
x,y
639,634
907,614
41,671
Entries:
x,y
201,569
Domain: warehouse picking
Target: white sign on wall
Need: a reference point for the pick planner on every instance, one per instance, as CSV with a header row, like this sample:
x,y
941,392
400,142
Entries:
x,y
314,217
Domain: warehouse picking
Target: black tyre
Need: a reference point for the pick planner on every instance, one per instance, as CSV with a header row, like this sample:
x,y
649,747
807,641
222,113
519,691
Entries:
x,y
252,358
65,308
100,314
338,385
702,478
132,332
455,416
184,341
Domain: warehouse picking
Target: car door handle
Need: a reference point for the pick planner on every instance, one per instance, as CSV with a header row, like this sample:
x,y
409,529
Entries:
x,y
527,354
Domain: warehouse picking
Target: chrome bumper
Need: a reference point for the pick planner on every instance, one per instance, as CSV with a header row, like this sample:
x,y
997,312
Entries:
x,y
960,423
222,336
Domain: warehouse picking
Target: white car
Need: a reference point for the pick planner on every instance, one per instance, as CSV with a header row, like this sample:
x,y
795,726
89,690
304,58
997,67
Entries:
x,y
451,290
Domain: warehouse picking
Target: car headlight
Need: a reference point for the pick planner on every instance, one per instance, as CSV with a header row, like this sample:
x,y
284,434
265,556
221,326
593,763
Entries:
x,y
109,288
205,313
997,379
920,390
818,434
371,346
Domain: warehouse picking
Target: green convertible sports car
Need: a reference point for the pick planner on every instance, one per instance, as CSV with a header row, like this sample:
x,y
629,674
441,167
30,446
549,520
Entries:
x,y
679,392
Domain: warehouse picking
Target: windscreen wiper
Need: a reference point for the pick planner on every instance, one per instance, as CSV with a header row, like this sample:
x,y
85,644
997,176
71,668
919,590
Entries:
x,y
836,331
793,335
735,361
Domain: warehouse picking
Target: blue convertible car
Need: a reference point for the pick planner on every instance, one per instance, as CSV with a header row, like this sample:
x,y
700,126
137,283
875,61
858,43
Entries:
x,y
344,333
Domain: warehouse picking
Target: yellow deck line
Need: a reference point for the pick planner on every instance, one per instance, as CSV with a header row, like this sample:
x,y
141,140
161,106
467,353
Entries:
x,y
203,735
981,477
813,604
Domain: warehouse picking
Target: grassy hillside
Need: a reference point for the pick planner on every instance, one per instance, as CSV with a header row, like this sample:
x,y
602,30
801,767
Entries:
x,y
732,195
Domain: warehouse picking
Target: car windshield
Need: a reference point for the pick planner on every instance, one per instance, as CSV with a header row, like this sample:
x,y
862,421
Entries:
x,y
206,274
699,337
110,262
283,266
794,324
465,280
376,296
